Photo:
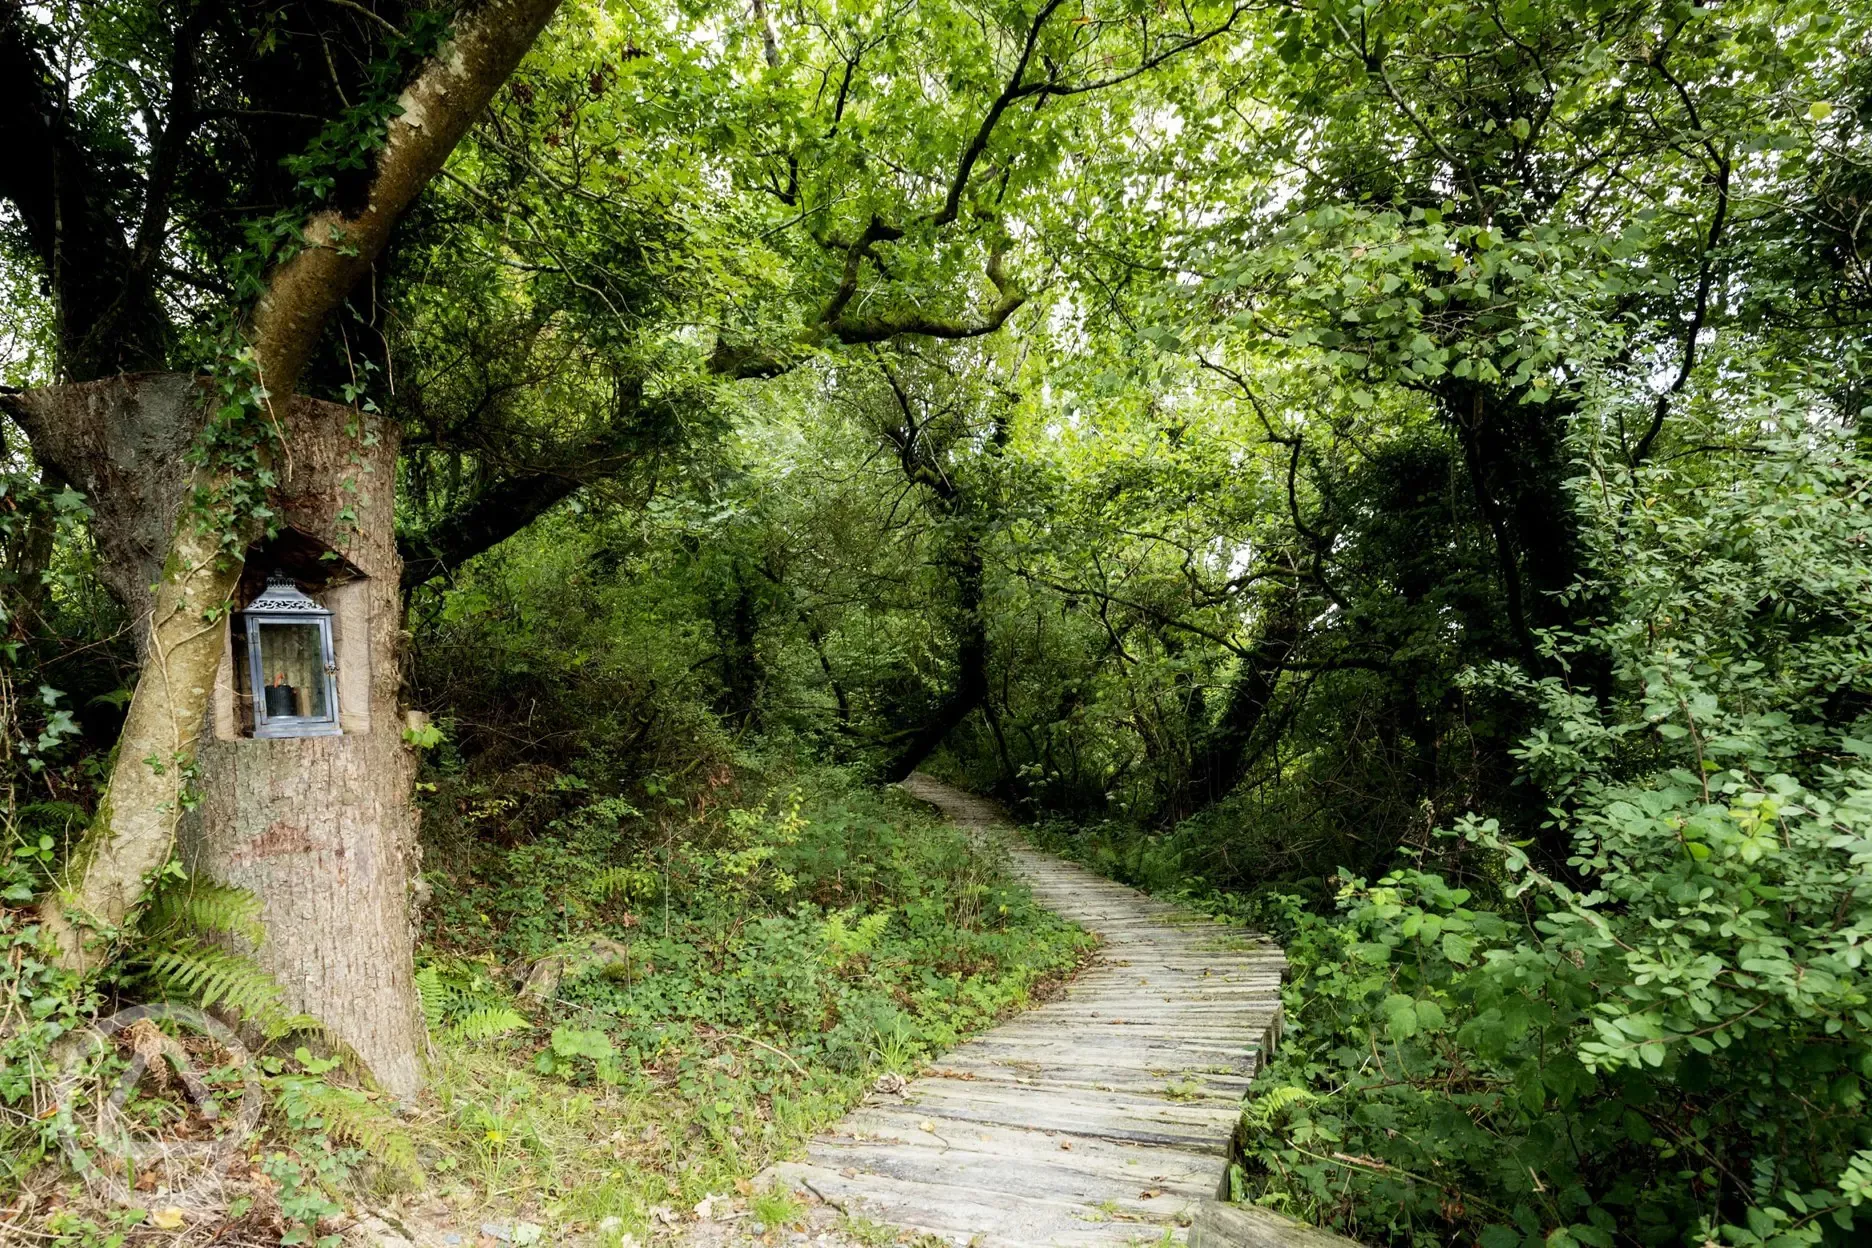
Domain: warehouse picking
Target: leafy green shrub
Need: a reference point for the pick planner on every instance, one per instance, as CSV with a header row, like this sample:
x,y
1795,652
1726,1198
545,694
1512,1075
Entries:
x,y
1671,1040
801,918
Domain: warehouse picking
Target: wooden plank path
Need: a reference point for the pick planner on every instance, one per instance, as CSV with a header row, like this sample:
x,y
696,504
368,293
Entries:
x,y
1101,1118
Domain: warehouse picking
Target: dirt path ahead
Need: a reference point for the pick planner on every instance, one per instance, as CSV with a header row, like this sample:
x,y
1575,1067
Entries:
x,y
1100,1118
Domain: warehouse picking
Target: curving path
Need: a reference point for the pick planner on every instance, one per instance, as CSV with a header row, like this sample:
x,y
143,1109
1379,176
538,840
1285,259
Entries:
x,y
1100,1118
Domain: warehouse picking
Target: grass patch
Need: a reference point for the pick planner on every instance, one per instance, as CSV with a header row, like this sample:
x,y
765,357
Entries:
x,y
704,990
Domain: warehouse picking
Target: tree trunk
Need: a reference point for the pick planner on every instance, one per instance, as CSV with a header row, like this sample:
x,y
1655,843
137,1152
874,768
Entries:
x,y
971,664
321,828
122,442
1222,751
135,825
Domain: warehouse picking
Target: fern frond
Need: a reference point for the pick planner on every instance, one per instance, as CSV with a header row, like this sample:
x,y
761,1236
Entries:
x,y
433,995
624,882
1268,1106
487,1021
460,1001
352,1117
208,976
202,907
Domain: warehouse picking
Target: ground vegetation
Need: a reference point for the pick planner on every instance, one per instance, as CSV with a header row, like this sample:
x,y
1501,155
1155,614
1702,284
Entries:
x,y
1392,472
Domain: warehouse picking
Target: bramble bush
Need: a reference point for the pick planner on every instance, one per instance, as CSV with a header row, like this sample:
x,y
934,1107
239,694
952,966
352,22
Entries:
x,y
1669,1040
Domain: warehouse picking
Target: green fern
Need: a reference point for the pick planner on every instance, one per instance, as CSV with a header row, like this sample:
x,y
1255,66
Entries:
x,y
202,907
485,1022
210,976
434,997
1266,1107
351,1117
460,1001
628,883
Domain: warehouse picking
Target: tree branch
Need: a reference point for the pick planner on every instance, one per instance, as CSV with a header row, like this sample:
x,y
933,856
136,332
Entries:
x,y
1011,93
889,325
495,515
1706,266
438,107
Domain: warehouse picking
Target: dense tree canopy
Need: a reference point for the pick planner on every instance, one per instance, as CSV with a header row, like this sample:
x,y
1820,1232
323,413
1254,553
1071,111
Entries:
x,y
1390,469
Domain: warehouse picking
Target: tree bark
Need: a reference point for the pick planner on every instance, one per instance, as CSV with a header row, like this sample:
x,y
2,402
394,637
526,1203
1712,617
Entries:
x,y
134,828
122,442
1222,754
971,687
321,829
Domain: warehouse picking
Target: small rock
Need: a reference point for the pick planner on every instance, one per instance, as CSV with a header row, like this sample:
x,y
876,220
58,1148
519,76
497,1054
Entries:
x,y
890,1083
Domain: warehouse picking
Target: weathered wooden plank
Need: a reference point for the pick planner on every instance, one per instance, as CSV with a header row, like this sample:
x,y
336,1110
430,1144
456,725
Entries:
x,y
1239,1226
1058,1176
1100,1118
979,1217
1188,1083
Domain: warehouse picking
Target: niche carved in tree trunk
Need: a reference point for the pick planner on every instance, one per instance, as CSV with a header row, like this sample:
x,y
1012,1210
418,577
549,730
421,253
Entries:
x,y
321,828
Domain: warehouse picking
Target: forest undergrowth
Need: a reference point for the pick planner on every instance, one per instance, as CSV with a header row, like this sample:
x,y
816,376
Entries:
x,y
633,1006
1492,1041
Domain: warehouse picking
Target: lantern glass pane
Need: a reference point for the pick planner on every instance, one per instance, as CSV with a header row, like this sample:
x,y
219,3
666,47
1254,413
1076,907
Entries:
x,y
292,666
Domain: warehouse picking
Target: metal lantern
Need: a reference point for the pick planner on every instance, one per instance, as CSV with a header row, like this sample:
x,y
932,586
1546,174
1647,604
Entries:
x,y
291,672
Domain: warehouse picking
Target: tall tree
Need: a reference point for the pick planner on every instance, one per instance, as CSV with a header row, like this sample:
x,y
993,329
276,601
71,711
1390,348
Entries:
x,y
366,165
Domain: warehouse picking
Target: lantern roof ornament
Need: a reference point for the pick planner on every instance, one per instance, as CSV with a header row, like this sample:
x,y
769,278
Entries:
x,y
283,595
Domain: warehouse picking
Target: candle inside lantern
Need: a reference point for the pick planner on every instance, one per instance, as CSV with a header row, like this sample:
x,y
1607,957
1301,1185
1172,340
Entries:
x,y
290,652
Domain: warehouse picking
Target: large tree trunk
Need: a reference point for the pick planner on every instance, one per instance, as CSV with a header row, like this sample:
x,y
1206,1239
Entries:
x,y
122,442
134,829
321,828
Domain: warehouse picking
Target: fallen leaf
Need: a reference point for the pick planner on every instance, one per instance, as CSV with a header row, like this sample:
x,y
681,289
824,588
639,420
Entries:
x,y
926,1125
1149,1193
167,1219
1066,1146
